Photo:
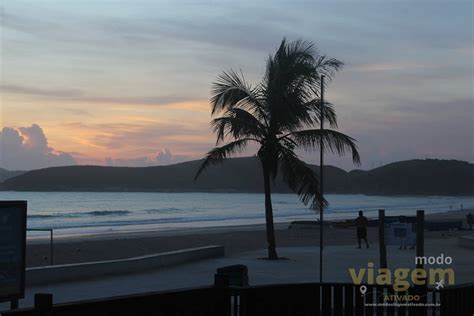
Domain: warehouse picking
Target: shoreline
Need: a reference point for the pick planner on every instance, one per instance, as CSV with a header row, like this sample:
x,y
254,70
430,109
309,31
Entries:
x,y
162,232
195,230
236,239
237,192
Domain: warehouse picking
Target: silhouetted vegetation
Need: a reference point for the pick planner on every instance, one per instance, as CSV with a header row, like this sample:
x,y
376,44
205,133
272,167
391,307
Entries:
x,y
279,114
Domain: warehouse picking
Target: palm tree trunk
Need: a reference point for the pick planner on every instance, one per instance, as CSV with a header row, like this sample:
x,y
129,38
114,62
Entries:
x,y
272,254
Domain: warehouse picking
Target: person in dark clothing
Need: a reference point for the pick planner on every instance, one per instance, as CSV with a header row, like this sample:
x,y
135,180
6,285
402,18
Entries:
x,y
469,220
361,223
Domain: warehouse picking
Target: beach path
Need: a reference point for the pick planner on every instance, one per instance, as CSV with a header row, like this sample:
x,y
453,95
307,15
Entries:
x,y
301,266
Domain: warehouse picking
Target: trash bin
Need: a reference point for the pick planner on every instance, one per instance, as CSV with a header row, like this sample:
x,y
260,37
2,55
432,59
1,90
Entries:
x,y
236,275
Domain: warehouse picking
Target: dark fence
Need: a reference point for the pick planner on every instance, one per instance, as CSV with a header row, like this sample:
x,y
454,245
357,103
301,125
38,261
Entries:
x,y
203,301
458,300
276,300
329,299
337,299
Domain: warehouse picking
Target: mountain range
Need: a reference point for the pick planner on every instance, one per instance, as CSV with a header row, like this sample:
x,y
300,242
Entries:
x,y
411,177
6,174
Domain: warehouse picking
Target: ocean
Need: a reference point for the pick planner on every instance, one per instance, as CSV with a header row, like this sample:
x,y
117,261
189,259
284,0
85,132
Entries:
x,y
91,212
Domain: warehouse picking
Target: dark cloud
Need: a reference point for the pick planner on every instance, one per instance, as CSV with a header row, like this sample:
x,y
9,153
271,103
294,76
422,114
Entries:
x,y
55,93
26,24
27,148
81,96
461,107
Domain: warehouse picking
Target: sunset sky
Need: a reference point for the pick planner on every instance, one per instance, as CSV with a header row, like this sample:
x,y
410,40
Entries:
x,y
128,82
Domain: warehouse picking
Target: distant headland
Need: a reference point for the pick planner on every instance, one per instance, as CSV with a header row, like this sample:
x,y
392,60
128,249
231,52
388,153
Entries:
x,y
411,177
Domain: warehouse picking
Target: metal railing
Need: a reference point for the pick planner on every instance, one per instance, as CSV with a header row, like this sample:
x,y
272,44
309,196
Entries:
x,y
50,230
303,299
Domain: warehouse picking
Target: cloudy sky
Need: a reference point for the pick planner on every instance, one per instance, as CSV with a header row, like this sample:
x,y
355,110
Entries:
x,y
127,82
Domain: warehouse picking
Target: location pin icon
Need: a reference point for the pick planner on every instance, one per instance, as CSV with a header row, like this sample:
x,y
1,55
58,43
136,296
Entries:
x,y
363,289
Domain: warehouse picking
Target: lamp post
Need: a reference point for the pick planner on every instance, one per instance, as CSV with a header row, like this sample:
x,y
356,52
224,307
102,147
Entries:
x,y
321,208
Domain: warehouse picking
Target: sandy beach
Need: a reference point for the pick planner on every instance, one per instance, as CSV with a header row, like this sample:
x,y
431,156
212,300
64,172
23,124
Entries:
x,y
235,239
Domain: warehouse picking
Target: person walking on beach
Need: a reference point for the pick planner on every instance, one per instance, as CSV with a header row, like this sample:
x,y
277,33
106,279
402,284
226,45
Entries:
x,y
361,223
469,220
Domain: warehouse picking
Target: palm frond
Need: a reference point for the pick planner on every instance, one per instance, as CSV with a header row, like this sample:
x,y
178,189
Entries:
x,y
292,82
310,117
218,154
327,67
301,179
291,67
335,142
329,112
231,90
237,123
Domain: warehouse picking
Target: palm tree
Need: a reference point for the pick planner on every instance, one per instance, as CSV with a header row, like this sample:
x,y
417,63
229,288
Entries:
x,y
279,115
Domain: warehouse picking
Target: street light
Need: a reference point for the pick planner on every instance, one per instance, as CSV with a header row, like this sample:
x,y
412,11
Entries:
x,y
321,208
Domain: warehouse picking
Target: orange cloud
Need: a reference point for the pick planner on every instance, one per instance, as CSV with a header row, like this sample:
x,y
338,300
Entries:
x,y
196,106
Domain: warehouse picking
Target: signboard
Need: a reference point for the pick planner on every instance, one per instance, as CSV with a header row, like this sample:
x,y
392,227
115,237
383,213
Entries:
x,y
400,230
12,249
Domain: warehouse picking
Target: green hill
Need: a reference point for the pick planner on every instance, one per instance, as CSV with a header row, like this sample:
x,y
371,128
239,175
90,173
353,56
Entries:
x,y
412,177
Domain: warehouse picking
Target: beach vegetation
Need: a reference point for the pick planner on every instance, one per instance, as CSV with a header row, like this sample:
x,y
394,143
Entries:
x,y
280,115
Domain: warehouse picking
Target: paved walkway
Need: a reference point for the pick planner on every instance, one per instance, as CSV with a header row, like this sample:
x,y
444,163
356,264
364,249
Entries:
x,y
302,266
